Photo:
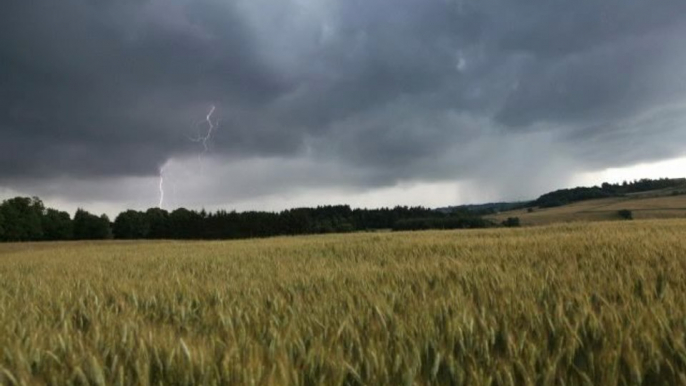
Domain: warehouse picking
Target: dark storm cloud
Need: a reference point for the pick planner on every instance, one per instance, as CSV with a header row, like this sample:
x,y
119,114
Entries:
x,y
558,28
402,89
101,88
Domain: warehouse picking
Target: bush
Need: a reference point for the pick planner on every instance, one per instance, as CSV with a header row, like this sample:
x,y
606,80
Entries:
x,y
626,214
512,222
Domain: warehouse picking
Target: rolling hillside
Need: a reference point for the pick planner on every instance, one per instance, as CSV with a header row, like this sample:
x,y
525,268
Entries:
x,y
646,205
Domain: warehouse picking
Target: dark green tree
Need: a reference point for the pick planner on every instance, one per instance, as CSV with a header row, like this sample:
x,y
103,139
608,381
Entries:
x,y
103,228
185,224
2,227
88,226
22,218
131,225
157,220
57,225
626,214
297,221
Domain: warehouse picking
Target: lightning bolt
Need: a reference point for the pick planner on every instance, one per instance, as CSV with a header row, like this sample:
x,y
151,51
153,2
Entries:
x,y
161,187
204,140
211,127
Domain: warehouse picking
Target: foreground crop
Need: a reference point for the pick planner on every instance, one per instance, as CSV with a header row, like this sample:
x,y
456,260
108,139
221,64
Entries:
x,y
585,304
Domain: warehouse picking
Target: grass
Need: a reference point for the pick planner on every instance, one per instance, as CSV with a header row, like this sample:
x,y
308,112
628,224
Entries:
x,y
570,304
643,206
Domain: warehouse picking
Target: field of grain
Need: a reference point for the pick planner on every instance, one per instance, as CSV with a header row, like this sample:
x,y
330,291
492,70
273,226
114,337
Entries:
x,y
643,207
571,304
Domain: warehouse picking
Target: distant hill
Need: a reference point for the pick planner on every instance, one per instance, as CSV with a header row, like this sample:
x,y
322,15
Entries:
x,y
567,196
653,204
483,209
645,198
571,195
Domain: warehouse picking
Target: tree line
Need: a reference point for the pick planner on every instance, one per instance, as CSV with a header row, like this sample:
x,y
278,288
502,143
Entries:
x,y
27,219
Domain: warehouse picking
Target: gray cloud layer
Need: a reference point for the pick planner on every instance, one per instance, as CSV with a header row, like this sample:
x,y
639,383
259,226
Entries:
x,y
392,89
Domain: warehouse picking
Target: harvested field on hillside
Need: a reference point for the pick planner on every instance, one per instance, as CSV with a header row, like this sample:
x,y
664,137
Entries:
x,y
643,207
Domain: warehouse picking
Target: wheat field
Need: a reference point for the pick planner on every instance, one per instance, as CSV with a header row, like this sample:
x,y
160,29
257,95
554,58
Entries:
x,y
575,304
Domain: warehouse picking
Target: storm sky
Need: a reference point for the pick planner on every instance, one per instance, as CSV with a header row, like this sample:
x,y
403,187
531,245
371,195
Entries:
x,y
365,102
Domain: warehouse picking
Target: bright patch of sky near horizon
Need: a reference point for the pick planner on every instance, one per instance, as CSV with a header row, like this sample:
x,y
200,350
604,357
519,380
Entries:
x,y
429,194
674,168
